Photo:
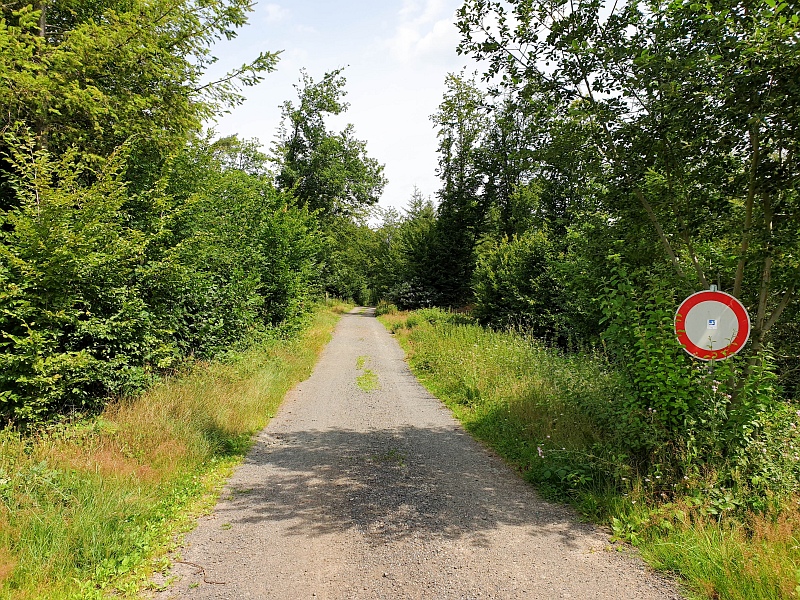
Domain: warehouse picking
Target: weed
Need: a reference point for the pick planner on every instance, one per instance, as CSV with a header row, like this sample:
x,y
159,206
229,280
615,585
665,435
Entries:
x,y
393,457
385,308
368,381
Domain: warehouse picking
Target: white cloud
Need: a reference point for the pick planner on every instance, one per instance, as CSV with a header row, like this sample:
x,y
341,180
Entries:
x,y
275,13
305,29
425,28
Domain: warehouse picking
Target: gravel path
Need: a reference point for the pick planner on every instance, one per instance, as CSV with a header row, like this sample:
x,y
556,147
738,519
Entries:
x,y
381,494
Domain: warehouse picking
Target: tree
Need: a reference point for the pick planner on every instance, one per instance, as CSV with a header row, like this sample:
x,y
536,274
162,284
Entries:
x,y
462,211
93,75
327,171
91,306
414,255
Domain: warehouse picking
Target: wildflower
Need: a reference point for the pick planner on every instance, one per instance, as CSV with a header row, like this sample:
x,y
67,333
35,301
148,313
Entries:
x,y
539,450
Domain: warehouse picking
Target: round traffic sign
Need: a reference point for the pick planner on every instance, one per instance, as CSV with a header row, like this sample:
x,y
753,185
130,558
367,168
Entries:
x,y
712,325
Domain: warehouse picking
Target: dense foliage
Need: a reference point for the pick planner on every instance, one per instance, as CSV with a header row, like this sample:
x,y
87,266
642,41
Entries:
x,y
331,175
92,75
614,159
329,172
95,306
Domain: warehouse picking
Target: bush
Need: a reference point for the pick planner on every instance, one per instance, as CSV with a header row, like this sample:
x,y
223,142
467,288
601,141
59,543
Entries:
x,y
533,284
73,316
92,306
437,316
721,427
413,294
513,285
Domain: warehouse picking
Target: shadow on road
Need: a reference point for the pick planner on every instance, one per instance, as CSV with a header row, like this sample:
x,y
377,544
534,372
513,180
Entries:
x,y
391,485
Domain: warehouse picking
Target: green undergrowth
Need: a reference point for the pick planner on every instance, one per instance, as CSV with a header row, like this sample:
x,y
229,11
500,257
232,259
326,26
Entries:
x,y
89,508
368,380
547,414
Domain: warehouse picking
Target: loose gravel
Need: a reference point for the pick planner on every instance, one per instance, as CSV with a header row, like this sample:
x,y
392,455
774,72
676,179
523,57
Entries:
x,y
381,494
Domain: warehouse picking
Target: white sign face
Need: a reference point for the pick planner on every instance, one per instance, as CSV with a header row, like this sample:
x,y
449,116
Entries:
x,y
711,325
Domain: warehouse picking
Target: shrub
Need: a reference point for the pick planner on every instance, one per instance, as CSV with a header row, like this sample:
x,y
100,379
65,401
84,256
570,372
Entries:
x,y
513,284
92,306
703,426
385,308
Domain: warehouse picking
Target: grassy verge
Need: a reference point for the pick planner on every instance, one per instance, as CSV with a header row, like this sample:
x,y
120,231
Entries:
x,y
89,509
538,409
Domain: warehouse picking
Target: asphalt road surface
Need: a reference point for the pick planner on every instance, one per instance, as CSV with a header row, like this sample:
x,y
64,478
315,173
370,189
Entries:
x,y
380,494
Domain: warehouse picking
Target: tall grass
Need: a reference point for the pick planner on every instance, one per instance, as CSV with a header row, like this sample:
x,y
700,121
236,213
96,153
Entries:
x,y
87,509
753,558
534,405
547,414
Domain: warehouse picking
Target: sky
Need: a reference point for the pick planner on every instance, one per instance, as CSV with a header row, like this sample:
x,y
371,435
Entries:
x,y
396,55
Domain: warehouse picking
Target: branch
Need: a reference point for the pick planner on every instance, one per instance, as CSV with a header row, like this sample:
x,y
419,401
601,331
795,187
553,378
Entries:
x,y
748,214
267,59
788,296
654,220
687,239
637,190
525,66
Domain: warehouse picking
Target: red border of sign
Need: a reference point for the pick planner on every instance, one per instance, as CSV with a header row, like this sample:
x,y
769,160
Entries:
x,y
704,353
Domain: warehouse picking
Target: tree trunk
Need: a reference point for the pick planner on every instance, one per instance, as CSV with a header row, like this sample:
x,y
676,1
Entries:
x,y
41,119
748,210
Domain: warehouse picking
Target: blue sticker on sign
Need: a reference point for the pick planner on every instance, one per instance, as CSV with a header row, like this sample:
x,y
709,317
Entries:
x,y
712,323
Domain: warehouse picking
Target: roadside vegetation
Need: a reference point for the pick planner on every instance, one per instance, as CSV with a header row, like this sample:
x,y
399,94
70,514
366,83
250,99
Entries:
x,y
90,507
159,285
559,418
